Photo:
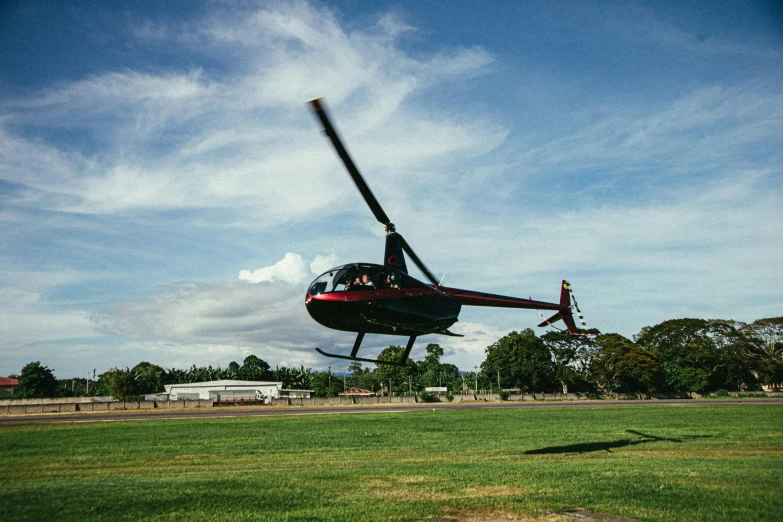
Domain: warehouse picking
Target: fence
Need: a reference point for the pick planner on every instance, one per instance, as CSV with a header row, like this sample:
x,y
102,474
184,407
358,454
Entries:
x,y
70,404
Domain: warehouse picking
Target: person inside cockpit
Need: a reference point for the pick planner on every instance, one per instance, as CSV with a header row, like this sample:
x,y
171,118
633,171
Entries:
x,y
353,283
390,282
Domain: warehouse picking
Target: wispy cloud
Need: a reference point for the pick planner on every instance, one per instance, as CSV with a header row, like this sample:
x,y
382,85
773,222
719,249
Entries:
x,y
195,139
656,205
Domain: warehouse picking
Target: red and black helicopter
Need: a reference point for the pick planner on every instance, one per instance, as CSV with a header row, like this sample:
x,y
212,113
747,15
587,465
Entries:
x,y
384,299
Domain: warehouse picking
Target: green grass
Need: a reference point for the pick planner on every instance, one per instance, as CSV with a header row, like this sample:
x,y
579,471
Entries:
x,y
705,462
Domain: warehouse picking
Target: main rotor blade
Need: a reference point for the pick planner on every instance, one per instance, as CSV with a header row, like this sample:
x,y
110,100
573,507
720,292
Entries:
x,y
367,194
415,259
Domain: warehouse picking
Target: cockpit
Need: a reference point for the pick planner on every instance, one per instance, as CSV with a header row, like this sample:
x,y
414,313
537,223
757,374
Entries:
x,y
361,277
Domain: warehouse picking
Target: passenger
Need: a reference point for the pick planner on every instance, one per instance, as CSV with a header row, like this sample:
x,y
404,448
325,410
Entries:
x,y
389,283
366,280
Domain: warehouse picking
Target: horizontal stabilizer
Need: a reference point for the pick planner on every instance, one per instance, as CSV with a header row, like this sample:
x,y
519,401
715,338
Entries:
x,y
555,318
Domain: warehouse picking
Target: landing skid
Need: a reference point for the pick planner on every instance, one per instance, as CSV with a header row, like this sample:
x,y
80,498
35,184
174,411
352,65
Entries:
x,y
402,362
349,358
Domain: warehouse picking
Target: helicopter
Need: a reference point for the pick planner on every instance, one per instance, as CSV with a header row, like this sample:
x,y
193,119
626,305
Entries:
x,y
384,299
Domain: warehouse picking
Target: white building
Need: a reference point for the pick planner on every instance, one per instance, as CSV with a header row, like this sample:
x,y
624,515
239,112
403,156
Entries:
x,y
225,390
296,394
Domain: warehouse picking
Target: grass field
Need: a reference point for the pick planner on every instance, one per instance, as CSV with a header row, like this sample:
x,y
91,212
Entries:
x,y
701,462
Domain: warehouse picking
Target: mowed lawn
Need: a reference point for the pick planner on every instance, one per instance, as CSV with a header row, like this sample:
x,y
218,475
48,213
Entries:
x,y
700,462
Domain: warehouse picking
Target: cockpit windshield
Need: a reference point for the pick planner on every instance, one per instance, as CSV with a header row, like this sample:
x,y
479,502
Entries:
x,y
360,276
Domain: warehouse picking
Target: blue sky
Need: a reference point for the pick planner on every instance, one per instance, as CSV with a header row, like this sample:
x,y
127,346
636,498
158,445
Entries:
x,y
165,194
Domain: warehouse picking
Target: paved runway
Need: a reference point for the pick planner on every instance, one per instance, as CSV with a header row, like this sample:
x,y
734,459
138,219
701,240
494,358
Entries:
x,y
265,411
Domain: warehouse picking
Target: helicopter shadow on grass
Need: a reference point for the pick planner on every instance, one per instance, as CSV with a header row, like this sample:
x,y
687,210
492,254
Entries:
x,y
588,447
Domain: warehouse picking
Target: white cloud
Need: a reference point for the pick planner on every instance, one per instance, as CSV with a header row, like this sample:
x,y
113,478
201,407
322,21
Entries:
x,y
290,269
225,312
243,140
26,318
468,351
321,263
653,208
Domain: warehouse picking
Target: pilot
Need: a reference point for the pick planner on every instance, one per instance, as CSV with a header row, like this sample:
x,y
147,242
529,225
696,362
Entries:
x,y
366,280
357,282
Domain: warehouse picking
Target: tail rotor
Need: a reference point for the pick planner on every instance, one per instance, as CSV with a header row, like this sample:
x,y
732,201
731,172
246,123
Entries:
x,y
565,312
576,306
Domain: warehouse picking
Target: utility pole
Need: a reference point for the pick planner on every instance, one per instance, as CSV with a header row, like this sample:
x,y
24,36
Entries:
x,y
499,377
476,369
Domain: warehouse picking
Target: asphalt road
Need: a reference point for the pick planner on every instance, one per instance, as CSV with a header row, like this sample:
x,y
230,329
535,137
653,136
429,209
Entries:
x,y
267,411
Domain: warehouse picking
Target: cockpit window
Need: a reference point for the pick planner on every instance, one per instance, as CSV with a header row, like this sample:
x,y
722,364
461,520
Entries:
x,y
359,277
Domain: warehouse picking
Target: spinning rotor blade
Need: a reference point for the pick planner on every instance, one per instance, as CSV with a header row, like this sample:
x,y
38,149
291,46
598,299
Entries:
x,y
367,194
417,261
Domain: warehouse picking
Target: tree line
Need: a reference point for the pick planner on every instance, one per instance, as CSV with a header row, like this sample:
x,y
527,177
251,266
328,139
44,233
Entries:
x,y
679,355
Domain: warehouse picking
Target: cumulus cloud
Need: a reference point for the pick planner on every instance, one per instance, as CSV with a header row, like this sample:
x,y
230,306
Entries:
x,y
321,263
290,269
268,319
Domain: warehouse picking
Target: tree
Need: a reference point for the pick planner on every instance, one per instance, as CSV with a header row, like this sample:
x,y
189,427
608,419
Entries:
x,y
326,384
355,367
768,336
430,371
149,377
255,369
522,361
393,375
36,381
121,384
570,357
234,371
687,352
619,363
360,377
738,355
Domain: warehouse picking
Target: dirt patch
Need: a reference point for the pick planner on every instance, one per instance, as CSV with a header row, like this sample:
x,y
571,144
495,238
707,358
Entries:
x,y
583,514
194,457
410,495
494,491
413,480
495,517
543,515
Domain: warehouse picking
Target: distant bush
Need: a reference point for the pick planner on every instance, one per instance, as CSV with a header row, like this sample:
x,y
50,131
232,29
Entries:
x,y
504,395
425,396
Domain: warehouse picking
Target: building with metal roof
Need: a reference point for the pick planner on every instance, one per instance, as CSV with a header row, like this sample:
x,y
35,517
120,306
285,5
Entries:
x,y
225,390
8,384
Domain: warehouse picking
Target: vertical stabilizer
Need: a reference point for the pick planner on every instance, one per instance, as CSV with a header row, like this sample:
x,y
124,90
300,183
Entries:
x,y
395,257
